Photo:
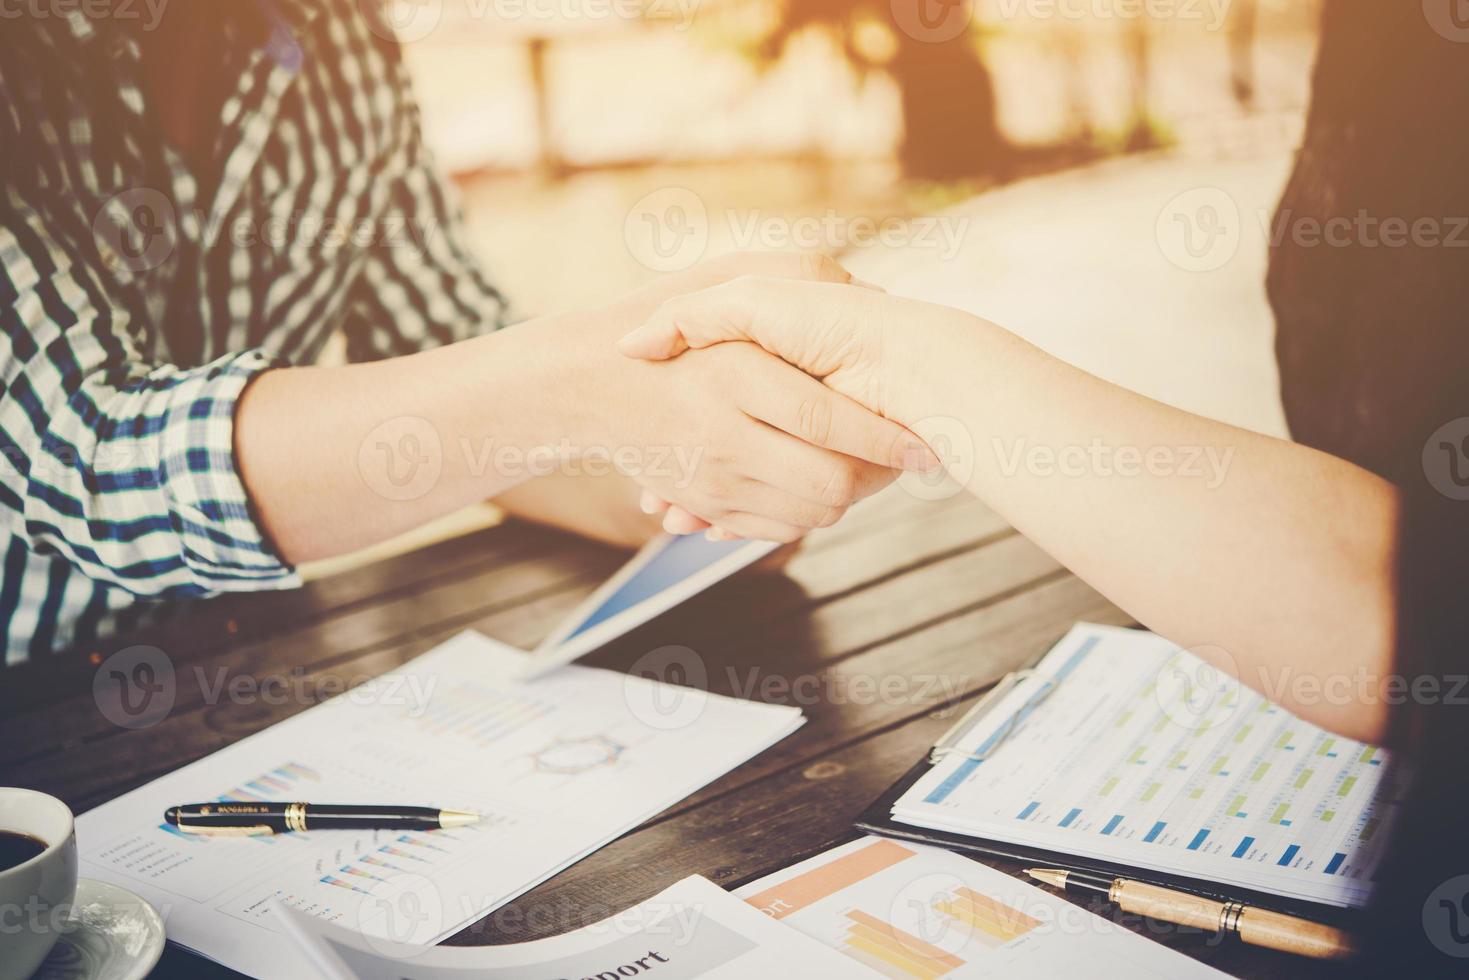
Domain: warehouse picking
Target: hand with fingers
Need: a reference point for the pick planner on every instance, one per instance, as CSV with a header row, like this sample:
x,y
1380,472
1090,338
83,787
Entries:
x,y
760,449
837,332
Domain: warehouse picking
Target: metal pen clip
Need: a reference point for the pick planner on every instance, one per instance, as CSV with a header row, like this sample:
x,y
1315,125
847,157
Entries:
x,y
253,830
948,745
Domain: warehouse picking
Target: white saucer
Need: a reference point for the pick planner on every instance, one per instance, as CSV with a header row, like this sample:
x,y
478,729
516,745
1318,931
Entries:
x,y
111,934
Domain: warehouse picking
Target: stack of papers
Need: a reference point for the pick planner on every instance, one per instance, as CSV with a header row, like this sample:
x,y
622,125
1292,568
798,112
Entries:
x,y
911,912
869,909
1138,753
559,768
694,930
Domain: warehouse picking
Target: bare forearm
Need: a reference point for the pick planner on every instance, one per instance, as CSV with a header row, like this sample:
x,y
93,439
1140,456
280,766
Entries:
x,y
339,458
589,500
1213,536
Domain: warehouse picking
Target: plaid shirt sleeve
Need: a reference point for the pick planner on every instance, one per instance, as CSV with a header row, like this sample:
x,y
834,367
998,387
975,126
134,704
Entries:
x,y
420,286
124,468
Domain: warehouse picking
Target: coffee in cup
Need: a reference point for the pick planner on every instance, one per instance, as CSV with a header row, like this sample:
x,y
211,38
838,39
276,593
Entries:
x,y
38,877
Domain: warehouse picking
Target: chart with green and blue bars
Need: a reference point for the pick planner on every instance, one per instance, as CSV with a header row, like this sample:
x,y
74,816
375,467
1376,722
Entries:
x,y
1114,764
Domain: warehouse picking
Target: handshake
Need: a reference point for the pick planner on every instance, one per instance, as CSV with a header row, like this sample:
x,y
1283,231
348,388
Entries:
x,y
768,369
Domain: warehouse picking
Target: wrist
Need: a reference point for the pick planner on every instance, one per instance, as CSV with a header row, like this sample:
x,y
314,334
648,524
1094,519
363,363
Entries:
x,y
932,358
568,382
503,401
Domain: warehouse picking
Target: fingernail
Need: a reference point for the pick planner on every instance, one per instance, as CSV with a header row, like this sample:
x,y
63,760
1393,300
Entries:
x,y
918,459
632,344
647,504
644,343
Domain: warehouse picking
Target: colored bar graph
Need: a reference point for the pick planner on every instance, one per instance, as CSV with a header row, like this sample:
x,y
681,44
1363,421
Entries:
x,y
1243,848
1335,862
1108,787
1199,838
1237,806
1071,815
891,952
991,922
1029,809
804,890
1259,772
339,883
378,862
1280,813
953,781
966,768
1152,834
399,852
1346,786
1151,792
1112,824
1289,855
1304,778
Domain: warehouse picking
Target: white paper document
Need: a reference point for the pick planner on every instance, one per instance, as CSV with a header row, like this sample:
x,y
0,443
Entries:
x,y
559,767
1143,755
694,930
910,912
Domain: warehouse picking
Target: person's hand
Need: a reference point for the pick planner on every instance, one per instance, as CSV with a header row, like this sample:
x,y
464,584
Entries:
x,y
746,442
735,437
836,332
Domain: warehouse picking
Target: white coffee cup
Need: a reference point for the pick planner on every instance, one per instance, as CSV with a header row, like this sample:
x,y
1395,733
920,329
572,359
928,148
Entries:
x,y
35,895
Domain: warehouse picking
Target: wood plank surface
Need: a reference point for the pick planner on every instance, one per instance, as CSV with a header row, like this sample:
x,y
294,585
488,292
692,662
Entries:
x,y
879,629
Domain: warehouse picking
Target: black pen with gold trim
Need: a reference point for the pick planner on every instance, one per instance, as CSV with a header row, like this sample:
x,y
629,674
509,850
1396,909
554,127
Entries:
x,y
235,819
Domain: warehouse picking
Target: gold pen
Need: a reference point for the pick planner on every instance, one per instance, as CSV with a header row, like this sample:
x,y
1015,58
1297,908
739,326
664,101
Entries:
x,y
1258,927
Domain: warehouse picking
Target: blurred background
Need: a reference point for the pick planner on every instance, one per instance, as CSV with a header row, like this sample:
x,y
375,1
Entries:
x,y
558,116
1096,175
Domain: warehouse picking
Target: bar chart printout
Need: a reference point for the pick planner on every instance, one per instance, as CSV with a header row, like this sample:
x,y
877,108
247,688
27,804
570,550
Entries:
x,y
543,757
1144,755
909,912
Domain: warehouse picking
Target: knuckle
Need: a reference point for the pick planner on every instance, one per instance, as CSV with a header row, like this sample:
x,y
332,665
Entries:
x,y
822,268
830,515
840,488
785,533
814,420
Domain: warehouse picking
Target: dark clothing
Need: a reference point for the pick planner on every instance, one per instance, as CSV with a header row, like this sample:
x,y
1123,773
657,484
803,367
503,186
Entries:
x,y
1370,322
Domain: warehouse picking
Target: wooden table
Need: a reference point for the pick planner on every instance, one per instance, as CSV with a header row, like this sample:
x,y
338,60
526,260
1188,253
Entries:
x,y
941,595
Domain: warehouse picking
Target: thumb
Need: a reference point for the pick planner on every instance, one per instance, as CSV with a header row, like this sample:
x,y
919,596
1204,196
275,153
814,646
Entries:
x,y
656,340
694,320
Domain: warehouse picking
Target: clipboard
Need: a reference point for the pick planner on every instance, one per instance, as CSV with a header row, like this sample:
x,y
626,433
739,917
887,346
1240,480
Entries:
x,y
878,819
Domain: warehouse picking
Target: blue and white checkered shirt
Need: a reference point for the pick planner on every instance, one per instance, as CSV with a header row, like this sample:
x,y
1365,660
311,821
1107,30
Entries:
x,y
135,307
